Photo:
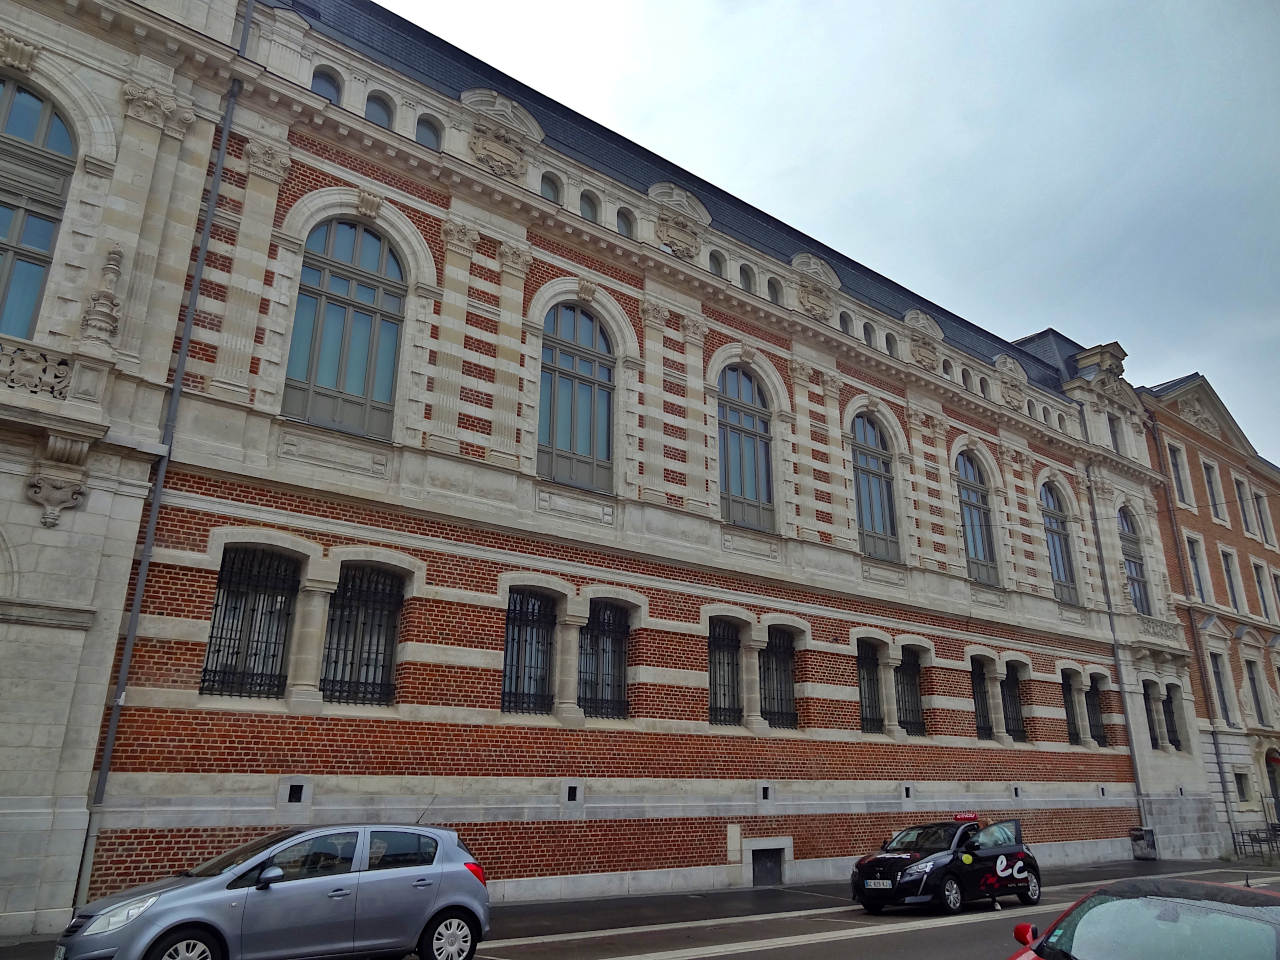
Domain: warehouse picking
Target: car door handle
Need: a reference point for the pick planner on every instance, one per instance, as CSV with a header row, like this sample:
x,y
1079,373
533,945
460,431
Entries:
x,y
422,883
339,894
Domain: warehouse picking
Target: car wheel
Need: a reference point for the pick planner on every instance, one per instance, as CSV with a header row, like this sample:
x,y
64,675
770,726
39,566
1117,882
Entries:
x,y
186,943
1031,895
873,908
950,898
449,936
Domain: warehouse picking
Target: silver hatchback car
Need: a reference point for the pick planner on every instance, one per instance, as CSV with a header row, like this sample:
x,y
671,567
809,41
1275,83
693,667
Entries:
x,y
370,890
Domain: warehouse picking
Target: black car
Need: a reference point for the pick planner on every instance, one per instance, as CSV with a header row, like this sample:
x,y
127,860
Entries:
x,y
947,863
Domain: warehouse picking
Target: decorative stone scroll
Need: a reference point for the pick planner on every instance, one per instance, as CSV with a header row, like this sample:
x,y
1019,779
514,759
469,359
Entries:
x,y
800,371
148,103
654,314
925,335
1013,381
694,329
35,371
368,203
268,160
515,259
460,237
55,494
587,290
679,234
815,299
101,320
16,54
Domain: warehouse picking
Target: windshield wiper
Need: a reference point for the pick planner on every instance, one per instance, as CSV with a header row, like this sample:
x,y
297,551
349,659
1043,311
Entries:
x,y
1050,952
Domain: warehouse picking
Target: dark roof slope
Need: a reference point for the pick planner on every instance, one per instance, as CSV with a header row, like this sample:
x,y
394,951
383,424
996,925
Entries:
x,y
1170,386
407,48
1054,348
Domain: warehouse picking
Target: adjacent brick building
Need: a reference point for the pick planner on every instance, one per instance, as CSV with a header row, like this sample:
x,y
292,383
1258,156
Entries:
x,y
528,483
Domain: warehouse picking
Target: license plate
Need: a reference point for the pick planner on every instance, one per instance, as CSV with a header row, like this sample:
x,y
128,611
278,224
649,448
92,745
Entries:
x,y
59,953
878,884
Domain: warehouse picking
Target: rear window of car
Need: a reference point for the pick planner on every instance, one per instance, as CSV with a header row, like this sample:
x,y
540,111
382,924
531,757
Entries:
x,y
389,849
465,849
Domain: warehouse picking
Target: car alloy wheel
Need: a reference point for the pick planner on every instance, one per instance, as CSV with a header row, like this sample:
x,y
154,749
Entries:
x,y
1032,893
188,950
952,901
187,943
452,940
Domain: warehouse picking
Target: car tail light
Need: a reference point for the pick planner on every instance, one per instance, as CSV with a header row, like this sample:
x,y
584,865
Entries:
x,y
477,871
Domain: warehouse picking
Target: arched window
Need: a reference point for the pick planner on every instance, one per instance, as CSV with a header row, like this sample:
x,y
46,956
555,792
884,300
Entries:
x,y
1031,409
575,415
325,83
550,188
869,335
428,133
626,223
1062,422
252,611
966,379
948,370
846,324
360,643
746,486
747,279
1135,569
984,388
588,207
891,345
1093,711
377,109
346,331
715,263
775,290
975,516
873,478
1057,536
37,159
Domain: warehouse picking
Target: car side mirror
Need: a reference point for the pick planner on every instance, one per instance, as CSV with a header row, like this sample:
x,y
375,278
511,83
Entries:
x,y
269,876
885,844
1025,933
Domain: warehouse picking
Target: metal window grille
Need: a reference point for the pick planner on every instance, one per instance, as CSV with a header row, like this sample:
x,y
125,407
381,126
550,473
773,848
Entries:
x,y
873,480
1134,568
975,515
746,484
1171,719
1011,700
869,707
981,701
360,643
724,676
1069,703
252,612
526,663
906,686
1149,703
602,660
575,415
1093,707
1059,544
777,679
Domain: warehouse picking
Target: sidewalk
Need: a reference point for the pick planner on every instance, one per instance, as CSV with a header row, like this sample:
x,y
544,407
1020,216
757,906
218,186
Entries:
x,y
572,916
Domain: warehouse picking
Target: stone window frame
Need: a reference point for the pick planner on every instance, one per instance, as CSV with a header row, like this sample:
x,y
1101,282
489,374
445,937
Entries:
x,y
1262,506
1138,541
551,183
1197,566
1257,684
997,501
1215,646
906,506
1074,682
1086,676
1261,580
1021,666
431,120
1243,494
1076,533
638,614
377,94
1234,581
1215,490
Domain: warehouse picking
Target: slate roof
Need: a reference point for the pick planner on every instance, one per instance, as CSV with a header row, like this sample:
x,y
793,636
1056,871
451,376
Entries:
x,y
412,51
1054,348
1170,386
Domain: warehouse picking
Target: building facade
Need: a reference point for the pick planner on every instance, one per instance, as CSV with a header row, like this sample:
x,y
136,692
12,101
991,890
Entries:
x,y
525,482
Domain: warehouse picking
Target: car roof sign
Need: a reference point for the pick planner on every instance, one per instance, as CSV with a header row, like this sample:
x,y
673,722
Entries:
x,y
965,817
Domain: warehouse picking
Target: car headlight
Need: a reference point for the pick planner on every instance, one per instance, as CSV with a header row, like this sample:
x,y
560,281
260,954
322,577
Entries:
x,y
117,917
918,869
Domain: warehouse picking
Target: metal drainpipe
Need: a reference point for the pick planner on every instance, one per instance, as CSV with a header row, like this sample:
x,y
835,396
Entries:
x,y
162,466
1196,646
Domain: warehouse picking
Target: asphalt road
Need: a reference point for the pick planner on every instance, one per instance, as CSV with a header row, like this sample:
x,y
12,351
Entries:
x,y
829,927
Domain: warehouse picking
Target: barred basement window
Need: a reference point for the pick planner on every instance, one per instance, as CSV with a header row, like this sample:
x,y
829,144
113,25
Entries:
x,y
873,478
1148,703
526,662
252,612
602,660
1171,716
870,709
360,643
906,685
981,700
724,676
777,679
746,483
1093,707
1134,568
1069,704
975,515
575,417
1059,543
1011,700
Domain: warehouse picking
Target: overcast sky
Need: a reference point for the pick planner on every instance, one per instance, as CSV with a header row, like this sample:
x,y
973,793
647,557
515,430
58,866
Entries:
x,y
1109,169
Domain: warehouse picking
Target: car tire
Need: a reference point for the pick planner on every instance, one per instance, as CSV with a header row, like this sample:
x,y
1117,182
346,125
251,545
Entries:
x,y
450,936
950,898
873,908
1031,895
187,943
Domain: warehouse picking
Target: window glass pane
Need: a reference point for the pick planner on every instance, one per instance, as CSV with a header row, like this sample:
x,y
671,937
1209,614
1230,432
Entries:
x,y
564,412
427,134
735,463
586,330
323,84
24,116
392,268
582,431
344,241
624,224
566,361
603,417
392,304
330,346
370,251
311,276
384,375
585,367
339,285
58,138
604,373
749,468
544,409
357,353
566,323
25,285
377,111
304,319
365,293
37,232
6,221
316,239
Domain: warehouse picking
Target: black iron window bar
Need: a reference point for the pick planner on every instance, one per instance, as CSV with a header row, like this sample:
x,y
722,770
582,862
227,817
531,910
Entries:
x,y
725,705
1069,703
1171,722
982,702
1093,707
871,711
602,660
777,679
526,664
906,682
360,642
1011,699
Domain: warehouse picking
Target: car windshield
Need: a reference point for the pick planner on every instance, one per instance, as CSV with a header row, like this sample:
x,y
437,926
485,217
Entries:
x,y
929,838
233,858
1106,927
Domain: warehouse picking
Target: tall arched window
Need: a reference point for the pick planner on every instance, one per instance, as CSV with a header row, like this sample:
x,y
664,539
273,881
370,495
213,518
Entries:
x,y
891,345
1135,569
966,378
325,83
428,133
588,207
975,515
1058,538
747,279
869,335
37,159
377,109
746,484
775,290
575,416
873,477
626,224
715,263
550,188
984,387
346,331
846,324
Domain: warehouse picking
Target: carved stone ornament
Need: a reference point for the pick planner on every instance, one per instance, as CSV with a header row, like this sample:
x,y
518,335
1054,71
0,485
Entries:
x,y
1011,456
267,160
101,320
679,234
368,203
694,329
515,259
498,149
922,420
55,494
815,299
36,371
460,237
925,335
1192,411
654,314
748,355
148,103
680,202
831,384
502,111
17,54
587,290
815,267
1013,381
800,371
